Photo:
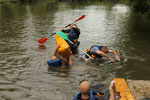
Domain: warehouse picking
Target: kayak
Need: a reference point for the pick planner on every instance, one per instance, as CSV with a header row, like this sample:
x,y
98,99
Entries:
x,y
64,49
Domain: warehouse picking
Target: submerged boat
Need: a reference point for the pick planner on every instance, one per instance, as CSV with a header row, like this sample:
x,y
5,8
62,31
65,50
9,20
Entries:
x,y
64,49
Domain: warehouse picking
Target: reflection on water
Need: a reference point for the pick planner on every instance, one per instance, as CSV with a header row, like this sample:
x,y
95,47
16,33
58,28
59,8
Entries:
x,y
24,73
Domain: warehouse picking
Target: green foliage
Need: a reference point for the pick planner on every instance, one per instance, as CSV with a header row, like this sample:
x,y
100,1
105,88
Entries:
x,y
8,1
1,1
141,5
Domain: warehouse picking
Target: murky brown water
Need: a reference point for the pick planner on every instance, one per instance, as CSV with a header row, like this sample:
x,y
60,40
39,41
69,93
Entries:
x,y
24,73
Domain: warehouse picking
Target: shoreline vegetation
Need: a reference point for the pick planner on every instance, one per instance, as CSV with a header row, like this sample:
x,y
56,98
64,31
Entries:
x,y
142,6
8,1
17,1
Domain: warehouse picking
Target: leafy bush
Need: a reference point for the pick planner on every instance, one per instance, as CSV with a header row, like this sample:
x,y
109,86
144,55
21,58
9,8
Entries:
x,y
141,5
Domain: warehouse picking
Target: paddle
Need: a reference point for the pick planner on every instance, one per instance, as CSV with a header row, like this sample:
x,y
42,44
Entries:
x,y
77,20
65,37
43,40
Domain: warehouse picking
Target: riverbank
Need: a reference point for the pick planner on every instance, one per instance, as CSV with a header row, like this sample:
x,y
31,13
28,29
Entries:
x,y
15,1
8,1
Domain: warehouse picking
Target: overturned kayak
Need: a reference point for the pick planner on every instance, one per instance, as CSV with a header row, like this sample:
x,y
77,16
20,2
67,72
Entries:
x,y
64,49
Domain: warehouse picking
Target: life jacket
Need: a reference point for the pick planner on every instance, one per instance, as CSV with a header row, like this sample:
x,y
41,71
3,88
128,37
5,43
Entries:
x,y
74,34
91,95
93,55
77,34
55,63
89,53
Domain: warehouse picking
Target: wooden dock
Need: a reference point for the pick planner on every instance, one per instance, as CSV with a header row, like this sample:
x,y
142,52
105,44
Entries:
x,y
132,89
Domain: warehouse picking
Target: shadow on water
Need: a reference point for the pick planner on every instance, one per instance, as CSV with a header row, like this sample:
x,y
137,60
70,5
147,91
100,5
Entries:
x,y
41,47
62,72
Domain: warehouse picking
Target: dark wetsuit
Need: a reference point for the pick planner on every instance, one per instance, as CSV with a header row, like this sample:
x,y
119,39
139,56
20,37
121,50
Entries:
x,y
73,36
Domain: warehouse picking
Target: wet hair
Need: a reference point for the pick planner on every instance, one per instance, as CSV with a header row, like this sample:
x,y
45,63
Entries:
x,y
82,81
74,25
76,30
104,48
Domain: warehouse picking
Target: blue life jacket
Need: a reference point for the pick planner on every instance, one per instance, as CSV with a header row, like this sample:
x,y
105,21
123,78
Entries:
x,y
95,54
91,96
77,32
73,35
55,63
99,47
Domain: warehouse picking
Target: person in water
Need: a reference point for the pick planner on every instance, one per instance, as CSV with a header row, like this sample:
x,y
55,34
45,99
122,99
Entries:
x,y
97,51
73,34
86,93
55,62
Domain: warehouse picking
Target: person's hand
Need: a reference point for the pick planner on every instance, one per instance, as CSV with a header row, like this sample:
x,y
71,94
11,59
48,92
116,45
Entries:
x,y
112,83
69,25
111,59
58,45
117,58
89,58
60,29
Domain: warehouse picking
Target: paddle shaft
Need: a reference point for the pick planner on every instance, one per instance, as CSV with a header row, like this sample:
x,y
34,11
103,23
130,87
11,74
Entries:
x,y
43,40
63,28
68,25
77,20
72,23
81,50
90,56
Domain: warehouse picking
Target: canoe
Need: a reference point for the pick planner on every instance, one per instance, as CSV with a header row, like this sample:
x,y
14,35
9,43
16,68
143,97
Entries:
x,y
64,49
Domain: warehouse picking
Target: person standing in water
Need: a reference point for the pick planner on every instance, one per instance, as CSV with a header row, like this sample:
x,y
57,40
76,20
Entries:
x,y
55,61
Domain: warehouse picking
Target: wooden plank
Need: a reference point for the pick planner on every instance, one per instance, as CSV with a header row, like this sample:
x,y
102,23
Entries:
x,y
122,87
138,92
144,87
139,88
130,84
132,89
148,85
147,88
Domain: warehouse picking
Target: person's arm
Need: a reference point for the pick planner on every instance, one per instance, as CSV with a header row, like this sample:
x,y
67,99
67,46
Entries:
x,y
65,30
112,90
116,56
70,60
104,54
55,51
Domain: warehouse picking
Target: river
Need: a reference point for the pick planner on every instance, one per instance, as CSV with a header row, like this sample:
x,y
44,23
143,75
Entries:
x,y
24,73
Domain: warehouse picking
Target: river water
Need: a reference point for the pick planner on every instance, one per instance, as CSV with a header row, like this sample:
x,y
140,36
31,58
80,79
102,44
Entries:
x,y
24,73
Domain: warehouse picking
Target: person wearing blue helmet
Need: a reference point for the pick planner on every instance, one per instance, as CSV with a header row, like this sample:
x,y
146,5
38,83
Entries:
x,y
54,61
